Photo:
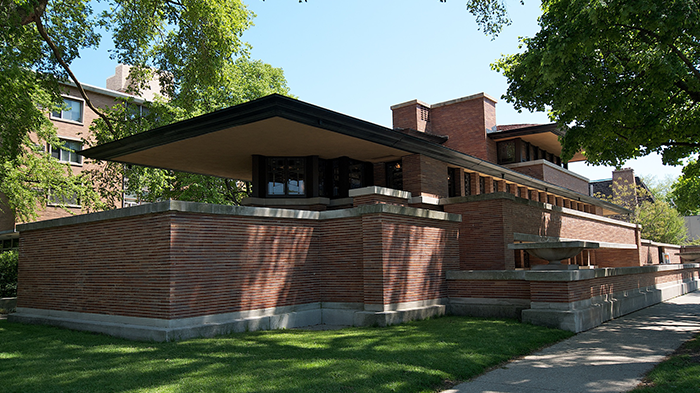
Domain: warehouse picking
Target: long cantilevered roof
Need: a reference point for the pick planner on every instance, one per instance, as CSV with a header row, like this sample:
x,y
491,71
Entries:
x,y
221,143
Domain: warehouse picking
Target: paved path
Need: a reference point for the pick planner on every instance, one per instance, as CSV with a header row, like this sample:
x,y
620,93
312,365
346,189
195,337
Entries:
x,y
610,358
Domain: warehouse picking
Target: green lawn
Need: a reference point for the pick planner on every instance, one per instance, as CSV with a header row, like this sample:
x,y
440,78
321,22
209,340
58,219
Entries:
x,y
679,374
420,356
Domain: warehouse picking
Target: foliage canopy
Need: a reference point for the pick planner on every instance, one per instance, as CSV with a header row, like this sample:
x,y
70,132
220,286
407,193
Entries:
x,y
651,208
620,77
194,46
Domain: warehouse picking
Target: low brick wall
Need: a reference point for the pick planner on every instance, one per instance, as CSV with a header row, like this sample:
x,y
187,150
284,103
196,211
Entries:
x,y
175,269
491,221
574,300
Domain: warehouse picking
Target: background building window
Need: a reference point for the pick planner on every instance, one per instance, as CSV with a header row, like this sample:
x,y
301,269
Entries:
x,y
73,111
59,200
67,151
9,244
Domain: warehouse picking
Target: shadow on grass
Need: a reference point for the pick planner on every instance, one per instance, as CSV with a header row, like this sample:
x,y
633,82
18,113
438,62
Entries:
x,y
413,357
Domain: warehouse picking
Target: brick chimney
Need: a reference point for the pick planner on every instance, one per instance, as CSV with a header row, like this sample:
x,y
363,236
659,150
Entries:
x,y
414,115
624,187
465,121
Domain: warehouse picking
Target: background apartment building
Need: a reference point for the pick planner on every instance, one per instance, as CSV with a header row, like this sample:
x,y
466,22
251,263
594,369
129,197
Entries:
x,y
72,127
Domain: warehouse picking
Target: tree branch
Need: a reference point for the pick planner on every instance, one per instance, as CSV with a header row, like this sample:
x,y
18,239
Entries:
x,y
673,48
687,144
40,28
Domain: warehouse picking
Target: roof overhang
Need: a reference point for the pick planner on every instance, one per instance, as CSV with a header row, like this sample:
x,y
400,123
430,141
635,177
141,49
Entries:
x,y
221,143
544,136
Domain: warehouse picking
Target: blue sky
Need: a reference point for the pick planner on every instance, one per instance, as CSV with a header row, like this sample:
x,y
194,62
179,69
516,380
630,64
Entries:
x,y
360,57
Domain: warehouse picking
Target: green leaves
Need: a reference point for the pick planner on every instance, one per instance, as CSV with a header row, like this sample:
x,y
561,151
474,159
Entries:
x,y
241,80
651,208
195,49
190,42
686,190
621,77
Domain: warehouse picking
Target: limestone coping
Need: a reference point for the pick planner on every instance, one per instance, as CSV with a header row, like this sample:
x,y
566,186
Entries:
x,y
657,244
524,237
245,211
562,275
376,190
554,245
444,103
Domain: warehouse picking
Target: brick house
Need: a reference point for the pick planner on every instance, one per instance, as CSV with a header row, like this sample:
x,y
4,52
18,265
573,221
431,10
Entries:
x,y
72,126
350,223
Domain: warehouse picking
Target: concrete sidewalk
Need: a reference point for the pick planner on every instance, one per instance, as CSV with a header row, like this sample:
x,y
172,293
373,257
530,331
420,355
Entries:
x,y
610,358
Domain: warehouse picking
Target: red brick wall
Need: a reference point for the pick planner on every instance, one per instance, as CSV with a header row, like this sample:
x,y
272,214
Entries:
x,y
555,176
561,292
224,264
483,235
409,116
566,291
424,176
539,221
340,259
488,226
406,258
179,265
561,178
466,123
113,267
489,289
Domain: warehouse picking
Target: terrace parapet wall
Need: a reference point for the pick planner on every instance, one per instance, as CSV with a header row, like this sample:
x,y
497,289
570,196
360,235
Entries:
x,y
552,173
492,221
575,300
173,270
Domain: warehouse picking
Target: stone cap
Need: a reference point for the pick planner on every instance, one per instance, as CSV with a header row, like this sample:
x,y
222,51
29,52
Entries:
x,y
554,244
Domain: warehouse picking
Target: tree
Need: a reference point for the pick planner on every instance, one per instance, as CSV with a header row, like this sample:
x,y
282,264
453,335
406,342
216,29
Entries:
x,y
245,80
194,46
620,77
651,208
686,190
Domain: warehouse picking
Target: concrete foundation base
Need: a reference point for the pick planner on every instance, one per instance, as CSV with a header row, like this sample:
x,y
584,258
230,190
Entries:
x,y
489,308
387,318
587,314
152,329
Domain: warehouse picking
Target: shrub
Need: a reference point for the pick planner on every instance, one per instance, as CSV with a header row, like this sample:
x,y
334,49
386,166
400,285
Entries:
x,y
8,274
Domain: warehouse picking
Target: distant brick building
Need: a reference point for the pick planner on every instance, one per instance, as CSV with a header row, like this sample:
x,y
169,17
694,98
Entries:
x,y
349,223
72,126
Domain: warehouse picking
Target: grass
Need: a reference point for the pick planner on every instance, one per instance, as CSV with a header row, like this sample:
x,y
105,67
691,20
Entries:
x,y
424,356
680,373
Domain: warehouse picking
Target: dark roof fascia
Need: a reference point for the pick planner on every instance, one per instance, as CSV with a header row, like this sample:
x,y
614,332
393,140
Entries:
x,y
257,110
295,110
440,139
524,131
